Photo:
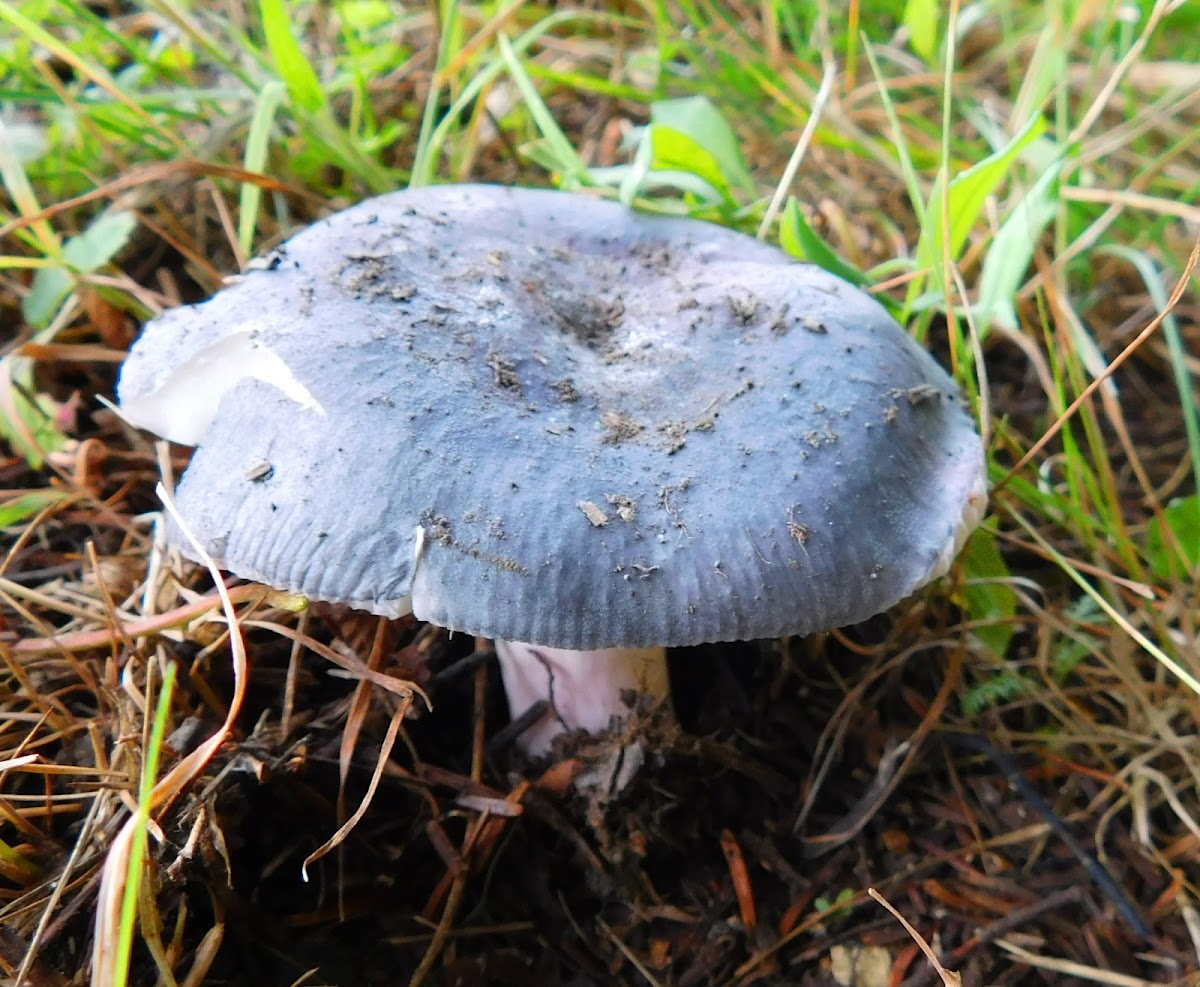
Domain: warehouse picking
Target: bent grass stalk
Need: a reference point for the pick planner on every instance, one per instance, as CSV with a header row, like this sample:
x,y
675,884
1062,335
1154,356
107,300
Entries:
x,y
136,864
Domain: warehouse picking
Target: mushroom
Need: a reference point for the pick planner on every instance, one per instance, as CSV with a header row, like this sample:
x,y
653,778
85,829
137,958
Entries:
x,y
584,432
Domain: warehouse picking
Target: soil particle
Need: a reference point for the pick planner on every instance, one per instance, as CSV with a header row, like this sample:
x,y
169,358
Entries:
x,y
655,257
820,437
504,372
593,513
918,395
566,390
797,530
676,433
269,261
742,307
365,279
618,427
259,471
437,528
498,561
589,318
664,501
626,506
779,321
814,325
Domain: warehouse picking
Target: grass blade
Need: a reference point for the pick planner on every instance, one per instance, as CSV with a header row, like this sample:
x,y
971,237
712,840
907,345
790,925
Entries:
x,y
135,867
291,63
257,143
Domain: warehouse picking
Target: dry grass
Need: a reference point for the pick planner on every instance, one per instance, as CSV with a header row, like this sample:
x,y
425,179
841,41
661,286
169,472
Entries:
x,y
1012,759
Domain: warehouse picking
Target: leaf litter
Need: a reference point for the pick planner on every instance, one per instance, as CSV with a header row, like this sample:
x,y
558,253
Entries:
x,y
806,773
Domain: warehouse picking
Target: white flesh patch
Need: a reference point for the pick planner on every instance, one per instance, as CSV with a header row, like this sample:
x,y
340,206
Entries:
x,y
583,687
183,405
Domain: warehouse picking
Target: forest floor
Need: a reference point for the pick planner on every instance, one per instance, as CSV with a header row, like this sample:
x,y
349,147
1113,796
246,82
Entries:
x,y
1010,758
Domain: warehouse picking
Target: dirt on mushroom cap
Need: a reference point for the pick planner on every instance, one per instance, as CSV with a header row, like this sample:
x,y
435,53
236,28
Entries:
x,y
484,360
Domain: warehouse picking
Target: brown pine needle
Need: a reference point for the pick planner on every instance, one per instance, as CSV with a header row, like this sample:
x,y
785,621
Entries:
x,y
949,977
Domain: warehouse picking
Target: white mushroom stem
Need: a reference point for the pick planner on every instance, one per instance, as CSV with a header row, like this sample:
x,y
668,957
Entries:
x,y
584,688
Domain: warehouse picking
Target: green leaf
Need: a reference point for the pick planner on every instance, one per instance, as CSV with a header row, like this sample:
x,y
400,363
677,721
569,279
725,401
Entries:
x,y
83,254
968,193
696,119
99,243
118,959
50,286
628,189
987,596
800,240
291,63
673,150
15,866
994,691
26,505
687,146
1067,654
26,419
365,15
921,19
1011,252
1177,555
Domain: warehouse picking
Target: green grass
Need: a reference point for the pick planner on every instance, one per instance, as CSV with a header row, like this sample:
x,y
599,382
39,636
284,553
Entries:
x,y
1024,177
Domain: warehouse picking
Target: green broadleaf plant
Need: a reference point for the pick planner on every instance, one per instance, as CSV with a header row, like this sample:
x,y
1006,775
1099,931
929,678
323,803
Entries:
x,y
988,598
800,240
687,146
82,254
1173,540
966,196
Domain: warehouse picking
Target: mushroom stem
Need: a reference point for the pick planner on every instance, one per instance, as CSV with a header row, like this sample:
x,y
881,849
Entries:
x,y
585,689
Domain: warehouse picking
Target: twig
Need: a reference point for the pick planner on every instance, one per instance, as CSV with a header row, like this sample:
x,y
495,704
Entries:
x,y
105,959
806,136
61,882
385,751
1001,927
949,977
442,933
1071,968
1133,200
503,737
456,670
289,683
629,954
1095,869
87,640
889,774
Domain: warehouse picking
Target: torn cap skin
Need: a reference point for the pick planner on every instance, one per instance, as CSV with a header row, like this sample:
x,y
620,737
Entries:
x,y
545,418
